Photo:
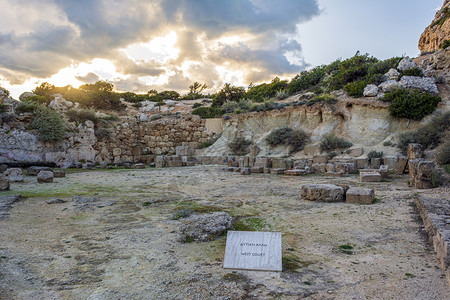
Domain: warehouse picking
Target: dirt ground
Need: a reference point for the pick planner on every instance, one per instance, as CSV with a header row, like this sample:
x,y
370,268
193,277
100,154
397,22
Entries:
x,y
129,250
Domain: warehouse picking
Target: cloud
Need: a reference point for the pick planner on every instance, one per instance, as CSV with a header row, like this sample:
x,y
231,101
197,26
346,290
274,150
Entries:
x,y
77,31
88,78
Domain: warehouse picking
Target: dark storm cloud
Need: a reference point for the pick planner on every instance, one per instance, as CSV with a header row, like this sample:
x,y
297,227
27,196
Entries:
x,y
99,28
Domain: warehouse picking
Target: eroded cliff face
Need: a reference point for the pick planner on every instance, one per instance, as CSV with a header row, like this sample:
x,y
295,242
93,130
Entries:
x,y
434,35
363,122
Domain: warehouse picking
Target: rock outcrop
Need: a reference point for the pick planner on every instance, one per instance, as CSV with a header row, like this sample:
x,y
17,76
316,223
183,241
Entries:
x,y
434,35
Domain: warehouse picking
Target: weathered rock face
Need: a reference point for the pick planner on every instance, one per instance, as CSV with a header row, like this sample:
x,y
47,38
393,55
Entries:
x,y
439,30
436,64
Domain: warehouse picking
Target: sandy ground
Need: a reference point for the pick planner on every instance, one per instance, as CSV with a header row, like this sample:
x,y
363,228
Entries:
x,y
129,250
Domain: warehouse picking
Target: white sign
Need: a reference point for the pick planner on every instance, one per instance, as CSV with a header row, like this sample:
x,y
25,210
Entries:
x,y
252,250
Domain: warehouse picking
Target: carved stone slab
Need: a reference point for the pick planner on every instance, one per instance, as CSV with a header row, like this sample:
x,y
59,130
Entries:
x,y
252,250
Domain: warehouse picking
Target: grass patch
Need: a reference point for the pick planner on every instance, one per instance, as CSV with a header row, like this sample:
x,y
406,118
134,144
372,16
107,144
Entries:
x,y
234,277
346,249
250,224
194,207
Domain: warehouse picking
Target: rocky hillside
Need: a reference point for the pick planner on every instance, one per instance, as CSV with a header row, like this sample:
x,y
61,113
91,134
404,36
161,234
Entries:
x,y
435,35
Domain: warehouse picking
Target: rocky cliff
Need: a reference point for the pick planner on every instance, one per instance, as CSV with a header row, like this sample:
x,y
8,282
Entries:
x,y
434,35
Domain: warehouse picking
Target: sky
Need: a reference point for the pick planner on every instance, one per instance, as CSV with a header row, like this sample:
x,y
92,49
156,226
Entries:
x,y
139,45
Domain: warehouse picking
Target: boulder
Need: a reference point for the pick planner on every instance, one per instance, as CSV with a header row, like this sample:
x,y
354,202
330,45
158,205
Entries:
x,y
371,90
60,104
277,171
205,228
14,174
245,171
360,196
424,84
392,74
33,171
59,173
170,103
369,177
143,117
406,64
322,192
26,95
414,151
138,166
4,183
147,106
356,152
389,86
45,176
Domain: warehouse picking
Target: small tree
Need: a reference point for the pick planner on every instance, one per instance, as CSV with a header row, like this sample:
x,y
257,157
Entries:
x,y
196,88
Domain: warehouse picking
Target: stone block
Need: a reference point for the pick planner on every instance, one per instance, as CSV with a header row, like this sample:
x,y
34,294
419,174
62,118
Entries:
x,y
369,177
245,171
319,168
138,166
360,196
277,171
4,183
414,151
356,152
45,176
300,163
330,167
320,159
262,162
391,162
232,161
14,174
244,162
267,170
362,163
375,163
384,171
424,172
33,171
257,169
322,192
295,172
160,161
401,165
184,151
220,160
279,163
345,168
206,160
174,163
59,173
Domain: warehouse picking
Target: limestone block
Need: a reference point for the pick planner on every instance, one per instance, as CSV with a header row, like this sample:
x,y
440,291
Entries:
x,y
267,170
14,174
174,163
356,152
320,159
414,151
423,177
322,192
160,161
401,165
257,169
391,162
45,176
295,172
362,163
4,183
360,196
319,168
33,171
59,173
375,162
277,171
369,177
117,152
371,90
245,171
244,162
206,160
262,162
330,167
384,171
279,163
138,166
345,168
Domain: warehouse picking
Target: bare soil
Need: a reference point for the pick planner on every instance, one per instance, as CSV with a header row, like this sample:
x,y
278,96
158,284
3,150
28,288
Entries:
x,y
130,251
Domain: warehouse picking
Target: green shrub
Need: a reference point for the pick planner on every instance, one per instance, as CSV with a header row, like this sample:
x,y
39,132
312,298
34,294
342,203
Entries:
x,y
445,15
281,94
38,99
197,104
264,91
430,135
112,117
382,67
208,112
294,139
230,107
307,79
228,93
416,71
3,108
239,146
410,104
155,117
375,154
446,44
28,107
82,115
331,142
49,124
102,133
388,144
324,98
355,88
443,152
